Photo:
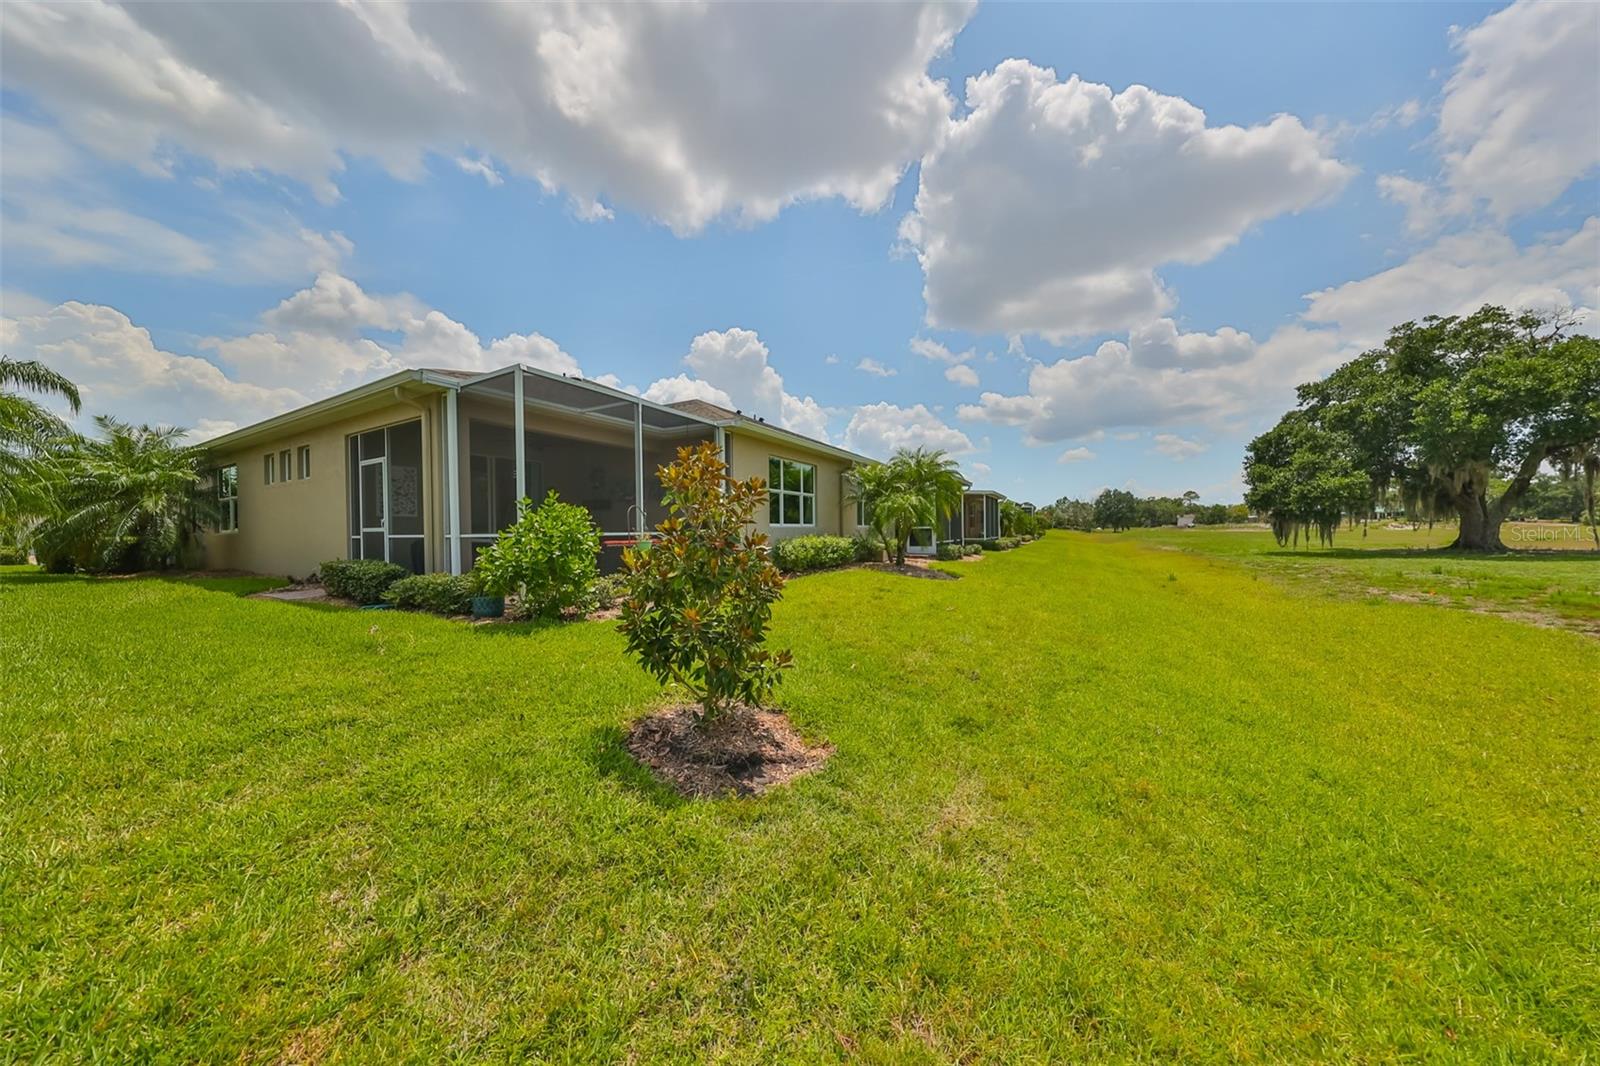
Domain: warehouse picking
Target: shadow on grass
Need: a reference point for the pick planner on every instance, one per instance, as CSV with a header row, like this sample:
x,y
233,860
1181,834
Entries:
x,y
1543,555
609,756
234,585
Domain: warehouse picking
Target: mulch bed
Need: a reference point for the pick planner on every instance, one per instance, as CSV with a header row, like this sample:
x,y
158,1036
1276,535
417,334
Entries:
x,y
912,570
743,753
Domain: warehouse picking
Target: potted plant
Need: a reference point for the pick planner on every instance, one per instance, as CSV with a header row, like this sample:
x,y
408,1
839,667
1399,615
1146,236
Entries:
x,y
488,593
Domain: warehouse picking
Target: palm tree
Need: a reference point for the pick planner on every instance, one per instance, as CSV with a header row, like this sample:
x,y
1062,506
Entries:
x,y
29,435
128,499
915,488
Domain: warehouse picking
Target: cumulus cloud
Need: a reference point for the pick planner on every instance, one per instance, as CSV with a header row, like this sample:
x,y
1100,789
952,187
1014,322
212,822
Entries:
x,y
1075,455
875,368
1159,345
880,429
735,365
961,374
684,387
1048,206
932,349
315,339
1178,448
1520,117
1112,388
686,113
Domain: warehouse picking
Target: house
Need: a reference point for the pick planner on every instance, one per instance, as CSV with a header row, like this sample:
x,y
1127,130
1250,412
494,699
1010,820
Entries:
x,y
1186,521
421,468
978,519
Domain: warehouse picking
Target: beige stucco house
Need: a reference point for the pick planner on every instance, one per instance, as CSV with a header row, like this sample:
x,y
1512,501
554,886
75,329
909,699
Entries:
x,y
421,468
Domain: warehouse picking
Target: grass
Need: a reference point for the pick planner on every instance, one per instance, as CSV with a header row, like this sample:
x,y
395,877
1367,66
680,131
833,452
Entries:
x,y
1552,576
1092,800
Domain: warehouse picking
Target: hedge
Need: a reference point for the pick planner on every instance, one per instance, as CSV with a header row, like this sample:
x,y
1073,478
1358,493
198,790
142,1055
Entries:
x,y
800,554
362,580
445,594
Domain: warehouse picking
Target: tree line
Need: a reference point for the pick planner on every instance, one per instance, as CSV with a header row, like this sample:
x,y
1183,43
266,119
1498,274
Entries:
x,y
1119,509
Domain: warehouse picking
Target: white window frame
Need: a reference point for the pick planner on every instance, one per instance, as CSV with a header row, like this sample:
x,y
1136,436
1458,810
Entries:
x,y
776,493
270,468
228,519
304,462
285,466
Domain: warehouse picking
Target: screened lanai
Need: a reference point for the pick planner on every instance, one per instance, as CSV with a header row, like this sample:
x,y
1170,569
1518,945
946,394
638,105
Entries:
x,y
594,446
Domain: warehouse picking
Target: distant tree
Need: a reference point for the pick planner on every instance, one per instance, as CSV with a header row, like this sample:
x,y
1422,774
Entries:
x,y
1190,498
1067,513
1303,477
131,498
1440,409
1115,509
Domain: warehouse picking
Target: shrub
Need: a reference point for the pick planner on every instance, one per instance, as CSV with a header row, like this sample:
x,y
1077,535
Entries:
x,y
868,550
549,557
437,593
11,555
362,580
990,545
950,552
800,554
972,549
607,592
700,598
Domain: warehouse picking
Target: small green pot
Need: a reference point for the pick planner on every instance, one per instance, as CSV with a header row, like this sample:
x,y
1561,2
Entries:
x,y
488,606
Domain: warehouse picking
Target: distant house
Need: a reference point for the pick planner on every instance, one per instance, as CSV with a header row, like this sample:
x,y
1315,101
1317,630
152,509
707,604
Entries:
x,y
1186,521
422,468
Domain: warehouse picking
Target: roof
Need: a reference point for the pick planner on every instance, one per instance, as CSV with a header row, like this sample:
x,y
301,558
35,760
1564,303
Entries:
x,y
762,428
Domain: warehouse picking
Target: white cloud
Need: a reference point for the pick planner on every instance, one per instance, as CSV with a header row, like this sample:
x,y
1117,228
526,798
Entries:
x,y
481,166
1178,448
932,349
55,212
831,360
1520,118
734,364
686,113
684,387
881,429
1158,345
1111,388
977,470
1426,208
1049,206
120,371
961,374
875,368
1075,455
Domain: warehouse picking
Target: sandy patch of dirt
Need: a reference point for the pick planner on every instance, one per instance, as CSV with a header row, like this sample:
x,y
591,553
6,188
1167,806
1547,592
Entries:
x,y
744,753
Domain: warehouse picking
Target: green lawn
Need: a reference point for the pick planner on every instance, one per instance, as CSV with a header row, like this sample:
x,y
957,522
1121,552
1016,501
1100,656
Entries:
x,y
1552,576
1095,799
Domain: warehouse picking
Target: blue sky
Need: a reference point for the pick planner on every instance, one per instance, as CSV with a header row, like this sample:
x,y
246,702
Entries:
x,y
211,214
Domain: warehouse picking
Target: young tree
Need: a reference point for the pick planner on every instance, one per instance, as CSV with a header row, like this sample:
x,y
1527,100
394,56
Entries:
x,y
915,488
699,598
129,499
1444,406
549,557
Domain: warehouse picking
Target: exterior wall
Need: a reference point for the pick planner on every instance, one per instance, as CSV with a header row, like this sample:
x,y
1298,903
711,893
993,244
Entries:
x,y
290,527
748,457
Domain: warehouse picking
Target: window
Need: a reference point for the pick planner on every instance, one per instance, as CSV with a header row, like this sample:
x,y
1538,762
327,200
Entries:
x,y
285,471
270,469
227,499
791,493
305,461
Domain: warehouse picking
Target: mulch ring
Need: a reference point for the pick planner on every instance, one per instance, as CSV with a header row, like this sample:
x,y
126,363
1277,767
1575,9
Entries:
x,y
745,752
912,570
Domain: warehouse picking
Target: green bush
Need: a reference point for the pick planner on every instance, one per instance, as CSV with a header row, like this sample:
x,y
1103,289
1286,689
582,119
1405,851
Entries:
x,y
799,554
990,545
868,550
362,580
549,557
11,555
700,599
950,551
608,591
445,594
972,549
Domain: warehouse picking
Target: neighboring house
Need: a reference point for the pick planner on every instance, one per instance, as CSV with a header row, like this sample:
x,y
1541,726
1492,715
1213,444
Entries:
x,y
421,468
1186,521
978,519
